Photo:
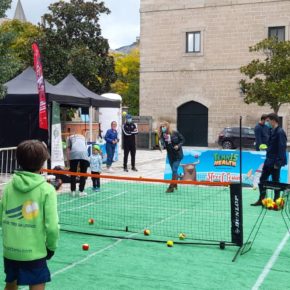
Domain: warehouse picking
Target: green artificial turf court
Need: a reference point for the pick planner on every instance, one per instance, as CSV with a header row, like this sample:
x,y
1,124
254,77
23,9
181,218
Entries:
x,y
201,212
113,263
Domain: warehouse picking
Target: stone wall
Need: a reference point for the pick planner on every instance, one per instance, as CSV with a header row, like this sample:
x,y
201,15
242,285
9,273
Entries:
x,y
170,77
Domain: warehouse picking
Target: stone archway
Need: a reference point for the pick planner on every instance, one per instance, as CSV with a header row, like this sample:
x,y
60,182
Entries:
x,y
192,123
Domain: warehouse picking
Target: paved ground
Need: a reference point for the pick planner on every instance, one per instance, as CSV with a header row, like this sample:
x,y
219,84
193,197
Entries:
x,y
150,163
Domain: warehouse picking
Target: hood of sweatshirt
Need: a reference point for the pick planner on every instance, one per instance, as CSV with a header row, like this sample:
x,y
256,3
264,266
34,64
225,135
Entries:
x,y
25,181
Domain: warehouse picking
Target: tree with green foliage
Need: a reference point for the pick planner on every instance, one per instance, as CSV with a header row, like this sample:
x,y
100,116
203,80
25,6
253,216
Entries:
x,y
24,34
4,6
5,58
16,38
73,43
9,64
268,80
127,68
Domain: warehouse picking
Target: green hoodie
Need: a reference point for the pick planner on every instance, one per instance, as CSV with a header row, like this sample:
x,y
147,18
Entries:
x,y
28,214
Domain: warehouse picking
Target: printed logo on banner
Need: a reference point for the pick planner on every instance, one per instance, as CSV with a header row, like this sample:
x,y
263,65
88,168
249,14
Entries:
x,y
225,159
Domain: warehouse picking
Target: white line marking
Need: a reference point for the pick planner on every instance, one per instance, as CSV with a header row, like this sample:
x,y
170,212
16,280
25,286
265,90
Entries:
x,y
271,263
106,248
81,261
169,217
73,199
86,258
95,202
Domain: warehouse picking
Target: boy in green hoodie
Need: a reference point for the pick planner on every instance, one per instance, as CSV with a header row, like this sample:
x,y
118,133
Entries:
x,y
28,215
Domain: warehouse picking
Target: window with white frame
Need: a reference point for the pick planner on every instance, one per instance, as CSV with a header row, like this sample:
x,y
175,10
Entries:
x,y
278,32
193,42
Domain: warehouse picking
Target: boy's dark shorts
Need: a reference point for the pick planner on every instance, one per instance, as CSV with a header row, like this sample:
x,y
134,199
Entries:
x,y
26,272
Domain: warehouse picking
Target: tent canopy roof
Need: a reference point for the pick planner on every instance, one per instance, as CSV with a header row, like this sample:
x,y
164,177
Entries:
x,y
72,87
25,84
22,90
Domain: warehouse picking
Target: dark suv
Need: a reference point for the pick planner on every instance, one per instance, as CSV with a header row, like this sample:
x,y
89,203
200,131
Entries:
x,y
229,138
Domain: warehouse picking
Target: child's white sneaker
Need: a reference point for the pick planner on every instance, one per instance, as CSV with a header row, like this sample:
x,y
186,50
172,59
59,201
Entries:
x,y
82,193
73,193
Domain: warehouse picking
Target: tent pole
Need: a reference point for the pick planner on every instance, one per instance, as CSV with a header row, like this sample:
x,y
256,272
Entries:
x,y
91,123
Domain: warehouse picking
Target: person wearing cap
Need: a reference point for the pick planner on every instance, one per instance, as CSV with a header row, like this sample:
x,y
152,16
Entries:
x,y
112,139
96,161
129,131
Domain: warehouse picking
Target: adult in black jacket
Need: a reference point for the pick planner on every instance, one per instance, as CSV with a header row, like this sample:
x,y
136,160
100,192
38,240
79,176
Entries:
x,y
172,141
275,157
129,131
262,133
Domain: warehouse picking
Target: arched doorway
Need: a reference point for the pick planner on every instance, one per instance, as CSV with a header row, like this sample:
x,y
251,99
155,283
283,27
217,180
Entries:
x,y
192,123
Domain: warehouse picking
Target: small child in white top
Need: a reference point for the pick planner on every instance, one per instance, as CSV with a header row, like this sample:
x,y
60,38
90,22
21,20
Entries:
x,y
96,161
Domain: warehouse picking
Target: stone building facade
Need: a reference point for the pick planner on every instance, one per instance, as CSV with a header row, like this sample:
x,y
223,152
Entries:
x,y
191,53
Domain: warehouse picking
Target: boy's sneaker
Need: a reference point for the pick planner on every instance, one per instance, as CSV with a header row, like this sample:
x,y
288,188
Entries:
x,y
97,189
110,169
134,169
126,169
82,193
73,193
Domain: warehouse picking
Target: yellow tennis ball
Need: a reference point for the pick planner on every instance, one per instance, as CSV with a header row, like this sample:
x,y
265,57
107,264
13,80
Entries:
x,y
124,114
263,147
169,243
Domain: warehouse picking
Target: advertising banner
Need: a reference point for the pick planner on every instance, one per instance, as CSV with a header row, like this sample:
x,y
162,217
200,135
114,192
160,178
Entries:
x,y
57,158
222,166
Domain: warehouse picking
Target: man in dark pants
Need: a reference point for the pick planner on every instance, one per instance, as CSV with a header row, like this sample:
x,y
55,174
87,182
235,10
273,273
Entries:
x,y
275,157
129,131
262,133
77,155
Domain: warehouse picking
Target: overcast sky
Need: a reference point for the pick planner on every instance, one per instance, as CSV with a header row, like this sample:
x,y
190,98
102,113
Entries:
x,y
121,27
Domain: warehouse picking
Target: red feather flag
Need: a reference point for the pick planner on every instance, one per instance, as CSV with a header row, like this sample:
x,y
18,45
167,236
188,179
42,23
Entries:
x,y
43,124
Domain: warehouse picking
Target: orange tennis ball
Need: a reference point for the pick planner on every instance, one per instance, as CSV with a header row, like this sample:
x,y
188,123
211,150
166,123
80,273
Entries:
x,y
86,247
91,221
182,236
146,232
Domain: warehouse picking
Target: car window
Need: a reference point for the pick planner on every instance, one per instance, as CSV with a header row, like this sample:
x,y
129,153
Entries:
x,y
248,131
251,131
236,130
233,130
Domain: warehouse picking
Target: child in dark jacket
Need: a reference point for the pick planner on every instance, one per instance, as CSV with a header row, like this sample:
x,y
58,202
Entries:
x,y
112,139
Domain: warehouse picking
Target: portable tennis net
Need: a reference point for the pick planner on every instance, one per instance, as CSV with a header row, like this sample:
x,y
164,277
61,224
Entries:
x,y
207,213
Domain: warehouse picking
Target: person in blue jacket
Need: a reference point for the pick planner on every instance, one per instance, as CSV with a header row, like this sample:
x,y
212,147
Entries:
x,y
275,157
262,133
112,139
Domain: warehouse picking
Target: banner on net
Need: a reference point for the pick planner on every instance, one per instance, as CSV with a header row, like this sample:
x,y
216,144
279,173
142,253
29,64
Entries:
x,y
222,166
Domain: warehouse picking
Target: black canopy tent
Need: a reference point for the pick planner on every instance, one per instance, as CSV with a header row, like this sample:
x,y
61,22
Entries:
x,y
70,86
19,109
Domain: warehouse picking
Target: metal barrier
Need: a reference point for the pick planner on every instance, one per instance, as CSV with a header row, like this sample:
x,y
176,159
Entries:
x,y
8,164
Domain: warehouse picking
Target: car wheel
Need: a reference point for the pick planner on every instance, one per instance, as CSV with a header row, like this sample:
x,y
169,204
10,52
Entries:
x,y
227,145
